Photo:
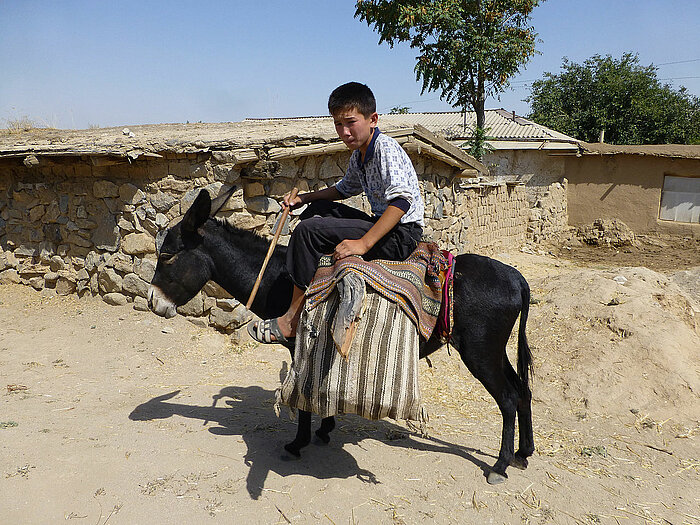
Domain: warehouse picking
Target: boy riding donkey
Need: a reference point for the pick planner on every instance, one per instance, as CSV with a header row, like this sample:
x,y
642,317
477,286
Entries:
x,y
381,169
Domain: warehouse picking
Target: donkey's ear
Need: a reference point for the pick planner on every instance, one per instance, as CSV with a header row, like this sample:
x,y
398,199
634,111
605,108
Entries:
x,y
198,213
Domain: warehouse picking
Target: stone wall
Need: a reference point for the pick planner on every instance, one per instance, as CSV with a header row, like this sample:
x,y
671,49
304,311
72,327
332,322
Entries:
x,y
88,224
538,169
549,217
544,176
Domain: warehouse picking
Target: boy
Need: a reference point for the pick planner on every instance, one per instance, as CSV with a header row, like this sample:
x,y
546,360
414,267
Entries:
x,y
379,167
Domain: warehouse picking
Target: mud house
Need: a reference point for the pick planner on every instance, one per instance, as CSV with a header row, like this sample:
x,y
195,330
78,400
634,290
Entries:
x,y
80,210
650,188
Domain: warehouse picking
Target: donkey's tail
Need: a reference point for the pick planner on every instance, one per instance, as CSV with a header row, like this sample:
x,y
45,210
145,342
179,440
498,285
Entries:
x,y
524,354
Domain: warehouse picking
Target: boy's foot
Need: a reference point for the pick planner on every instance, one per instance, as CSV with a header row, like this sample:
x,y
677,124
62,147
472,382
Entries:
x,y
268,331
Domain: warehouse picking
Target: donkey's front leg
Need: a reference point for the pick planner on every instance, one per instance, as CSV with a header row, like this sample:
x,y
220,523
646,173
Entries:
x,y
303,437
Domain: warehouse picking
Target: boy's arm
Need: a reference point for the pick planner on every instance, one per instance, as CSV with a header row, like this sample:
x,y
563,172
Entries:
x,y
390,218
329,194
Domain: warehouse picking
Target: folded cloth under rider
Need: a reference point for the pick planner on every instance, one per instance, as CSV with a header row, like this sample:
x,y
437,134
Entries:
x,y
417,284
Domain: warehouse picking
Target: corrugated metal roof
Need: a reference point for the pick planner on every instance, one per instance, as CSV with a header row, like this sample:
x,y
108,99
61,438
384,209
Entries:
x,y
502,126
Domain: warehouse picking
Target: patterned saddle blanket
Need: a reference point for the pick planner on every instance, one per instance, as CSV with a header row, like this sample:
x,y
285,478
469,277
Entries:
x,y
420,285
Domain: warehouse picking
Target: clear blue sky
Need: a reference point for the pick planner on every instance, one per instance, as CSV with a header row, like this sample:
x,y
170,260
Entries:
x,y
71,64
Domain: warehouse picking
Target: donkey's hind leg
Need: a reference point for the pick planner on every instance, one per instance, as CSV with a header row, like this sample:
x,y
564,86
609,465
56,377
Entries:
x,y
327,425
526,441
486,363
303,436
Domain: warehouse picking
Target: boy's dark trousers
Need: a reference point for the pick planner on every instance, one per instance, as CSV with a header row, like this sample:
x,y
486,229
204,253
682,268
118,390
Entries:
x,y
324,224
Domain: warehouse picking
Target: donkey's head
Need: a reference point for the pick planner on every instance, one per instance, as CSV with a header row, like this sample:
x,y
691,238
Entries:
x,y
183,265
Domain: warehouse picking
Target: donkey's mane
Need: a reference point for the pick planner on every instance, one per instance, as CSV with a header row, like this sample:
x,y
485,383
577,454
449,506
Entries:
x,y
252,239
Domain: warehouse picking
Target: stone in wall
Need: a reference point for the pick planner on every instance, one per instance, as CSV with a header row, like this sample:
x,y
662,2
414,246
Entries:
x,y
105,188
162,202
10,276
107,236
194,307
245,220
225,320
138,244
66,283
175,186
144,269
253,189
134,285
289,168
7,261
120,261
115,299
263,204
235,202
109,281
131,194
329,169
227,173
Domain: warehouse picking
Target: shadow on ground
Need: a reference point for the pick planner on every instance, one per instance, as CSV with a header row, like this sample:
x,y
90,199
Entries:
x,y
248,414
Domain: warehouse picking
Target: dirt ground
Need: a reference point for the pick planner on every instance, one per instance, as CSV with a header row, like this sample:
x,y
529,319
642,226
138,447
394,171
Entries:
x,y
110,415
662,253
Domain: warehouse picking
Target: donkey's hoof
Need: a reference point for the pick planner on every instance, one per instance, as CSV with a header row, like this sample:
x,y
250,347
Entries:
x,y
293,449
495,478
518,462
322,438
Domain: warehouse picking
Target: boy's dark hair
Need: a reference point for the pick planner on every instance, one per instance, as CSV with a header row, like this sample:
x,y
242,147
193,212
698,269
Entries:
x,y
352,95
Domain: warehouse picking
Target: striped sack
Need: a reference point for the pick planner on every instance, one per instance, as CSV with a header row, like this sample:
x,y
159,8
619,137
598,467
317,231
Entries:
x,y
379,378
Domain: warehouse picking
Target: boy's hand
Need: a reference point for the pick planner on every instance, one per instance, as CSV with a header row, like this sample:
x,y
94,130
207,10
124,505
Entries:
x,y
290,202
390,218
349,247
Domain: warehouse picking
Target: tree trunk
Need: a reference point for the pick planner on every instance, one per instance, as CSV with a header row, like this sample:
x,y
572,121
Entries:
x,y
479,138
480,112
480,100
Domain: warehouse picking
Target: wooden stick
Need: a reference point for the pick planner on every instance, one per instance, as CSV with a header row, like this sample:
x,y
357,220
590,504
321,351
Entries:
x,y
285,213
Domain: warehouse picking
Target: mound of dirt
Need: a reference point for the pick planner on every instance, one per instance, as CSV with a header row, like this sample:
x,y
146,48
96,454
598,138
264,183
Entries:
x,y
620,340
689,282
607,232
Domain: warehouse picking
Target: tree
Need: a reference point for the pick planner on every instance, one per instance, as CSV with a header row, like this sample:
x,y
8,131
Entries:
x,y
399,110
619,96
468,49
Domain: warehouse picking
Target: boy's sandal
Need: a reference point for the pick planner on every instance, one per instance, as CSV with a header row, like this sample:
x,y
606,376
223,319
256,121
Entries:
x,y
263,331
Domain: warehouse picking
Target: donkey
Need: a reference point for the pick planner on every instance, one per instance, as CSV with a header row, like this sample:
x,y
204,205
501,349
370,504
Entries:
x,y
488,297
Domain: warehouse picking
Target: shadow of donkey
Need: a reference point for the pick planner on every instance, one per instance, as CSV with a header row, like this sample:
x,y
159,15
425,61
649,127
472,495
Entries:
x,y
243,417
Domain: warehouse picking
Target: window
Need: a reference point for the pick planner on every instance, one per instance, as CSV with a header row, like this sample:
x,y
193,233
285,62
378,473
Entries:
x,y
680,199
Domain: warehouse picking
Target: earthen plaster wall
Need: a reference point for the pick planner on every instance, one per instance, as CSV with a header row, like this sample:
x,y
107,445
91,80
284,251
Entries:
x,y
72,224
625,187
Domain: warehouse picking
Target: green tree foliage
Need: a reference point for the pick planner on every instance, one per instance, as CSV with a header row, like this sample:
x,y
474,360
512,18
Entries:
x,y
620,96
467,49
399,110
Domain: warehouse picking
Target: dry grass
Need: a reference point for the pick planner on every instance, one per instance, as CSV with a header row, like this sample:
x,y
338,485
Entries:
x,y
24,123
20,124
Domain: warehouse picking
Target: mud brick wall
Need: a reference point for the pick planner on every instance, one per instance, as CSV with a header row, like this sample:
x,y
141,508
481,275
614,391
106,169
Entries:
x,y
493,216
87,225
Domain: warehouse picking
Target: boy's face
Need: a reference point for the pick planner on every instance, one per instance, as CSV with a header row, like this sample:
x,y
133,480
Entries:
x,y
354,129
